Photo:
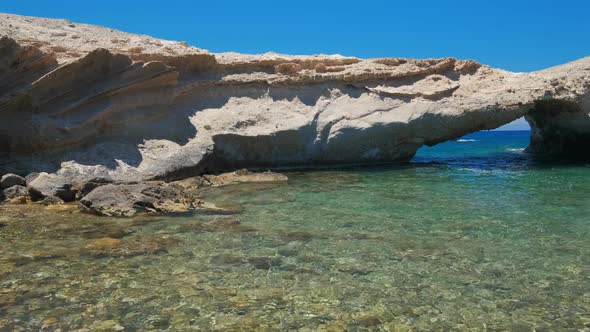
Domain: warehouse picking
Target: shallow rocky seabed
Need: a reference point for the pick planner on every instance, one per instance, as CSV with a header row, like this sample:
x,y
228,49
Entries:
x,y
453,244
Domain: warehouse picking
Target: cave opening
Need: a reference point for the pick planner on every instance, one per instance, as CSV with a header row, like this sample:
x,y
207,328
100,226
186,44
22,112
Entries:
x,y
487,148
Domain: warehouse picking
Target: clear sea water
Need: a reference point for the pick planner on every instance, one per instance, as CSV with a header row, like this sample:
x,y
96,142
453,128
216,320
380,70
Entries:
x,y
473,235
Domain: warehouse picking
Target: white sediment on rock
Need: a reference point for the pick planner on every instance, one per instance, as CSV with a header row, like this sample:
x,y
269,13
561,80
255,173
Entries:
x,y
89,102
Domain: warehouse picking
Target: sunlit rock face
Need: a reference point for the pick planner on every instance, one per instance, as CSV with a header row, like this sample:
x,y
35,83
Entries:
x,y
89,102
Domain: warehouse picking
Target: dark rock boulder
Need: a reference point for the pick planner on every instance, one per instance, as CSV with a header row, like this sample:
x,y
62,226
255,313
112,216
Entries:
x,y
9,180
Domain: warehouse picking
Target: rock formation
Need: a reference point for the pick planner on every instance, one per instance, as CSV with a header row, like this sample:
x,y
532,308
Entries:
x,y
86,102
126,200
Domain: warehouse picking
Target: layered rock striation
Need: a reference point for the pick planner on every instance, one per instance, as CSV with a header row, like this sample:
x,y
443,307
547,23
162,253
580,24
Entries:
x,y
87,103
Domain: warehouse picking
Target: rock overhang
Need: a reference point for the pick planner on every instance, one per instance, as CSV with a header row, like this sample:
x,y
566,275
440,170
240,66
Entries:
x,y
134,107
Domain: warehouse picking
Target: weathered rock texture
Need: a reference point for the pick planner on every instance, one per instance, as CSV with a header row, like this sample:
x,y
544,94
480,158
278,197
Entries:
x,y
126,200
9,180
90,102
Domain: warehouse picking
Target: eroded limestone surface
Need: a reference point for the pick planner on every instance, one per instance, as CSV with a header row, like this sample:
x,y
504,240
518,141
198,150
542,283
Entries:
x,y
89,102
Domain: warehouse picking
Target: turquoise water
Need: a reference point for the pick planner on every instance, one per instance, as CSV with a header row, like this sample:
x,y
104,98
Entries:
x,y
473,235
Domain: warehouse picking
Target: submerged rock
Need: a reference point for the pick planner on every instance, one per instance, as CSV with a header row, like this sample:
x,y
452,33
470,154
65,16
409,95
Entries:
x,y
7,298
106,326
297,236
225,179
6,268
104,244
264,262
243,176
223,224
107,229
367,321
132,247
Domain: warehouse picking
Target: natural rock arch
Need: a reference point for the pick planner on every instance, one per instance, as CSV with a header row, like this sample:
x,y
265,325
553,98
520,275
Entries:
x,y
125,107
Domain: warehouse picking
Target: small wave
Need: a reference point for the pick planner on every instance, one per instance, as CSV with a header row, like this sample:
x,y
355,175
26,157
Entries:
x,y
471,169
466,140
519,150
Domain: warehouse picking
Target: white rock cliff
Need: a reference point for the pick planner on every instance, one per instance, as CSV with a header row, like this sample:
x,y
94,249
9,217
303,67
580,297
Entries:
x,y
89,102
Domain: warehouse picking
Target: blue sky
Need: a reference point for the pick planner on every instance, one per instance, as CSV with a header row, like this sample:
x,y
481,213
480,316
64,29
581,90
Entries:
x,y
514,35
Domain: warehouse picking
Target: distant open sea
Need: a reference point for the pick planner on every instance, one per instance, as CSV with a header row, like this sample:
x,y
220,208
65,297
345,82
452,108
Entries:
x,y
473,235
485,146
